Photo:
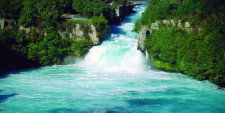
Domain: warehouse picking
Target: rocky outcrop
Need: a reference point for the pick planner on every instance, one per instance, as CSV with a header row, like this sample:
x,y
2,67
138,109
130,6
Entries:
x,y
78,31
26,30
115,16
144,32
93,35
84,31
2,24
147,30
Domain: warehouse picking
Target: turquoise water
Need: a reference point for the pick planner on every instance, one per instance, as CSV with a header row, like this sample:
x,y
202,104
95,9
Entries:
x,y
113,77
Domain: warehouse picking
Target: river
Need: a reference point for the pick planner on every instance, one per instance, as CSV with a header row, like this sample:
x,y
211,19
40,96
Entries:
x,y
112,78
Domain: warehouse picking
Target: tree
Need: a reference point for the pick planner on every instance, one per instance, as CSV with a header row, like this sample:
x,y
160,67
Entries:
x,y
29,15
89,7
10,9
101,24
64,5
48,13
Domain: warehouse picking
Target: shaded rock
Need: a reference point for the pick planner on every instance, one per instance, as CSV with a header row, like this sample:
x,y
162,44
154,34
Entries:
x,y
84,31
143,34
79,33
2,24
187,26
93,35
179,23
172,22
166,22
27,30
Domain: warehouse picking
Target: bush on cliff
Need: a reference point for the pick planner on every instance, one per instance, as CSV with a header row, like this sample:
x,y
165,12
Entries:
x,y
101,25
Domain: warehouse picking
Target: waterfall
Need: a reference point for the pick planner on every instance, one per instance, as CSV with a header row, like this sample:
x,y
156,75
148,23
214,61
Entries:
x,y
112,78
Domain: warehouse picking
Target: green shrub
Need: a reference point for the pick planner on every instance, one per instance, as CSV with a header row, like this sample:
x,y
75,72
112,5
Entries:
x,y
101,25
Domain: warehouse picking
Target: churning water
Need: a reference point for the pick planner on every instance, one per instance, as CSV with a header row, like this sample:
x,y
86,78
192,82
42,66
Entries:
x,y
113,77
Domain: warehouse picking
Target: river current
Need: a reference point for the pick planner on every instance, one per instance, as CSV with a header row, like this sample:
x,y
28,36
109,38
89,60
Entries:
x,y
112,78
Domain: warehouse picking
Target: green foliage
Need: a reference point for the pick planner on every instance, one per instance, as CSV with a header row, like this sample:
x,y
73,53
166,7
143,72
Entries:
x,y
48,13
81,47
137,26
49,50
10,9
13,50
89,8
199,53
29,15
43,45
101,25
64,6
114,5
40,13
79,21
37,49
180,9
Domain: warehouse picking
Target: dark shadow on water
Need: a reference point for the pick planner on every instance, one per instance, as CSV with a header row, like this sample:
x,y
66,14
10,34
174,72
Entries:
x,y
63,110
5,97
116,30
16,71
132,93
142,102
72,110
113,30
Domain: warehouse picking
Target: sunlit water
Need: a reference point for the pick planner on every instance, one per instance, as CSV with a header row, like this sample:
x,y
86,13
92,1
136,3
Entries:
x,y
113,77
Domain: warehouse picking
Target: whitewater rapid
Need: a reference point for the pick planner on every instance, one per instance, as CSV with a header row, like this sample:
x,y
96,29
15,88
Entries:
x,y
112,78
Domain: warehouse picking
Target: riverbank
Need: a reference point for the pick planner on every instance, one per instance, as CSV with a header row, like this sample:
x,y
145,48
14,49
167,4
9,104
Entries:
x,y
29,42
187,39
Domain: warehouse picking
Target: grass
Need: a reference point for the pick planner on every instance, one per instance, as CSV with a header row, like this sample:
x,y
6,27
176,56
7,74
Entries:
x,y
63,15
79,21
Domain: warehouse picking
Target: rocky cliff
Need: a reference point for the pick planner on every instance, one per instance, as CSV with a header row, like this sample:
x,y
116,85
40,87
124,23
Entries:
x,y
2,24
80,31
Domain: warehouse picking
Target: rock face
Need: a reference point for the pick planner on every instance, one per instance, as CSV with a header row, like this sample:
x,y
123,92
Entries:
x,y
85,31
78,32
2,24
93,35
145,32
